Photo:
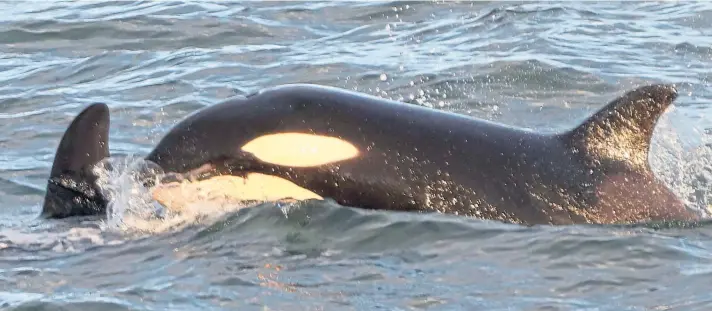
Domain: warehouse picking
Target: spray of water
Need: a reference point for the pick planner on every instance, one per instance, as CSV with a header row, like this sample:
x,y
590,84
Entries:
x,y
132,208
686,170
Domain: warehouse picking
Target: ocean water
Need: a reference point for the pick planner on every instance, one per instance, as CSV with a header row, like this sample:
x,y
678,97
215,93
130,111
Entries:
x,y
544,66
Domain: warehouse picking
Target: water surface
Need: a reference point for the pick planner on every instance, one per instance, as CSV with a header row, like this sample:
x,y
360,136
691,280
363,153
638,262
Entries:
x,y
544,66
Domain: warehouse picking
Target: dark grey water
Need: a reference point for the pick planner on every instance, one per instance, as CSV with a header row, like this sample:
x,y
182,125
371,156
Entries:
x,y
543,66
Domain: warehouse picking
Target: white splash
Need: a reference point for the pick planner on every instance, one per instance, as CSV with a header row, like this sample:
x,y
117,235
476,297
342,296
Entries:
x,y
686,170
132,208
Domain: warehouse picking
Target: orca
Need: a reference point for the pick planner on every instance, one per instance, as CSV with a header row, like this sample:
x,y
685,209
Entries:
x,y
305,142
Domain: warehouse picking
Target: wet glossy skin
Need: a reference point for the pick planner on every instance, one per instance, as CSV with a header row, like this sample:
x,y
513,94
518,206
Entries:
x,y
418,159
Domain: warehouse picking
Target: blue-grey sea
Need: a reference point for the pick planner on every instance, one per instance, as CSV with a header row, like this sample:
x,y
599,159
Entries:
x,y
540,65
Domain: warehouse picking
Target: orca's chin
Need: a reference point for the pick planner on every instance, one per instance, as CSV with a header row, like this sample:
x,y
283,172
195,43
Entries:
x,y
225,190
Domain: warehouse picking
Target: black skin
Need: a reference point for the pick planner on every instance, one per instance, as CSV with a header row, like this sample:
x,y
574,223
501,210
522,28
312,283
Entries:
x,y
71,188
417,159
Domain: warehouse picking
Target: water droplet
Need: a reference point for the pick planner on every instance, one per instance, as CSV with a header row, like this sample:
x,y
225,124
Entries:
x,y
384,77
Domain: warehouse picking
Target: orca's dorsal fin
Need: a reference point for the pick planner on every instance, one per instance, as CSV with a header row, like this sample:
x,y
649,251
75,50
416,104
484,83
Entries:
x,y
620,133
71,189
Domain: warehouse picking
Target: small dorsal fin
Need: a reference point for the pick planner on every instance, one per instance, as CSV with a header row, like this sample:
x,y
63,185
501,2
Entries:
x,y
621,132
71,183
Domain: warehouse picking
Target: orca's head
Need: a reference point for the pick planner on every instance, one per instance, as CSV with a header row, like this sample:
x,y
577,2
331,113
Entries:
x,y
72,188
